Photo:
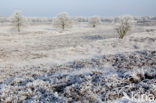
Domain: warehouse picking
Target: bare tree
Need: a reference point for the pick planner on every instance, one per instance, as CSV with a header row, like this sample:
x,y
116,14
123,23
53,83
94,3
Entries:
x,y
125,24
62,21
94,21
18,20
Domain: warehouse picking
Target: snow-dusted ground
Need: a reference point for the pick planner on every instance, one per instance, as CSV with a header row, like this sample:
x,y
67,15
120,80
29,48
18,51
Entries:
x,y
44,42
42,63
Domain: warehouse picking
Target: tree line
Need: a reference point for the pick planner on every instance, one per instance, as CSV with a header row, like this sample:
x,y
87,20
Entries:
x,y
63,21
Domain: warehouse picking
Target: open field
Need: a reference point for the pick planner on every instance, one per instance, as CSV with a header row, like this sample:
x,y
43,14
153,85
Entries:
x,y
81,64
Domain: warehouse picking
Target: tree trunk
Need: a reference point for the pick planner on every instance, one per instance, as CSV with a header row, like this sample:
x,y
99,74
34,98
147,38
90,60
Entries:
x,y
18,28
94,26
63,27
18,25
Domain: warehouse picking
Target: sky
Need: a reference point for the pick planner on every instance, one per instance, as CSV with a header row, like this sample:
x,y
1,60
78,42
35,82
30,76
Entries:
x,y
105,8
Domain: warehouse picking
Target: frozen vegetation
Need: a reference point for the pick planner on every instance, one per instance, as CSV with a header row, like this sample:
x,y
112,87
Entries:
x,y
125,24
82,64
62,21
18,21
94,21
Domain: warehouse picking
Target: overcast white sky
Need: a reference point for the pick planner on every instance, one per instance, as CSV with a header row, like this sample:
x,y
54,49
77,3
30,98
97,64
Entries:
x,y
48,8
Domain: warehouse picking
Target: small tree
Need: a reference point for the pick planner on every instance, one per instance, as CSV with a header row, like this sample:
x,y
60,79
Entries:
x,y
18,21
94,21
125,24
62,21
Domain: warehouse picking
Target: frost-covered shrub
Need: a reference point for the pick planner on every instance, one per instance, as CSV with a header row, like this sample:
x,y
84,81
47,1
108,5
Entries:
x,y
94,21
31,92
82,93
74,83
125,24
18,20
62,21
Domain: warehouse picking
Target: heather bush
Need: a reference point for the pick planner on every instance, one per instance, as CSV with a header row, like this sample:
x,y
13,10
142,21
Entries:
x,y
125,24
